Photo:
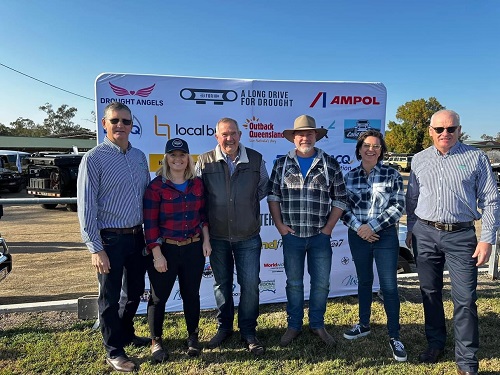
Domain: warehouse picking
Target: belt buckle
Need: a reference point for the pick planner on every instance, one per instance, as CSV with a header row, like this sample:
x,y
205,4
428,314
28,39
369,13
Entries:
x,y
440,226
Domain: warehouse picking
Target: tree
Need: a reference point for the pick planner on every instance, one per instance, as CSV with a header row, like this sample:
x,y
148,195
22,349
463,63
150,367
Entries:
x,y
411,134
24,127
60,121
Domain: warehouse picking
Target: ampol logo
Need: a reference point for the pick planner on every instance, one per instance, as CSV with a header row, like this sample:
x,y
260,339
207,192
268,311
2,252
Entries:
x,y
343,100
207,271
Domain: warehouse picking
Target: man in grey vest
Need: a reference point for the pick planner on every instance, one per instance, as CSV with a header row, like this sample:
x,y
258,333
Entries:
x,y
235,180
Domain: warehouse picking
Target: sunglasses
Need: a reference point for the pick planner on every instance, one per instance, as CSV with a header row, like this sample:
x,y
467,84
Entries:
x,y
115,121
440,129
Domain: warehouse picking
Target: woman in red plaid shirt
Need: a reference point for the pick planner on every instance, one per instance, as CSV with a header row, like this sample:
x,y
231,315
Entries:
x,y
176,231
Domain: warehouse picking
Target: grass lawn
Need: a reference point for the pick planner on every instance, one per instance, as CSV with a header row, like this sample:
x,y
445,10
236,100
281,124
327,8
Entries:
x,y
59,343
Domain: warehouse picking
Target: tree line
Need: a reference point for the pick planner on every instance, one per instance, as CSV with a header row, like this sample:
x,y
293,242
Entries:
x,y
56,122
408,135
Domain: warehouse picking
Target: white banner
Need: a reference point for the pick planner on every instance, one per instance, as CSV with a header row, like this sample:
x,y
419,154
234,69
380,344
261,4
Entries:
x,y
165,107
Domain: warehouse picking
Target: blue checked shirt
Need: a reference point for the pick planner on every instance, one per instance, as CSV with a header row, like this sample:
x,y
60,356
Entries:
x,y
306,202
110,187
377,199
450,188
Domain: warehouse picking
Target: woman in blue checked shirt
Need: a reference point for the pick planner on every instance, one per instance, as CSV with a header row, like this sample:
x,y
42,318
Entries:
x,y
375,204
176,231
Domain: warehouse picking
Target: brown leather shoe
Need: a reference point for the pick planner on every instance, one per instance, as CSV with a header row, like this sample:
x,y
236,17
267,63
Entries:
x,y
462,372
122,363
290,335
431,355
157,351
324,335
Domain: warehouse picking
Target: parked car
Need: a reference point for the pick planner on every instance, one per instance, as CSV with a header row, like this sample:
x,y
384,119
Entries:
x,y
406,258
10,180
401,162
5,259
496,172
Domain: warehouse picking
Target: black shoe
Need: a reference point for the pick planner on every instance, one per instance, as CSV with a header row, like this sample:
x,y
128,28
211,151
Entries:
x,y
431,355
138,341
193,344
157,351
254,345
122,363
219,338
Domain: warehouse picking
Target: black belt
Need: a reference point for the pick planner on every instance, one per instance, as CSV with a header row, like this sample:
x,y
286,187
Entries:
x,y
133,230
448,227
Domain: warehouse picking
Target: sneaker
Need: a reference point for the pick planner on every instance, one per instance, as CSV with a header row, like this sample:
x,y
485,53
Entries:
x,y
254,345
193,344
219,338
398,350
290,335
357,331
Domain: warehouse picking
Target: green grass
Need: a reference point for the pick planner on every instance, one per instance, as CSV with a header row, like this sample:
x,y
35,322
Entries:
x,y
39,346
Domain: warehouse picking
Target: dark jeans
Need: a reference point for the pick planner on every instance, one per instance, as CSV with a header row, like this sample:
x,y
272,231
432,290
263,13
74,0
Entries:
x,y
187,263
246,256
385,252
125,256
456,248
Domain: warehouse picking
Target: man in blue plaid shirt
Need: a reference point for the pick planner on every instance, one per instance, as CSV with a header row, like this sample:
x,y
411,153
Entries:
x,y
306,198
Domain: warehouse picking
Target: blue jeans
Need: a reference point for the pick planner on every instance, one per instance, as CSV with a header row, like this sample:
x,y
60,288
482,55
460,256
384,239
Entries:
x,y
319,264
246,256
385,252
125,256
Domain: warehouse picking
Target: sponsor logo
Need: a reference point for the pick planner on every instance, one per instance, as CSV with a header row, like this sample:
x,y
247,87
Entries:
x,y
273,245
166,130
275,267
207,271
145,296
267,286
177,295
321,99
259,131
345,261
266,220
336,243
350,280
202,96
121,92
353,128
235,294
265,98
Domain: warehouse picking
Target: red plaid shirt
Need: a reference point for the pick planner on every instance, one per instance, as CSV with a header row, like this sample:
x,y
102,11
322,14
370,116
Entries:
x,y
171,213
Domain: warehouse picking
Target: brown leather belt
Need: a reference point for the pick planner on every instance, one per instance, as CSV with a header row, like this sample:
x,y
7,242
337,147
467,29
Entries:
x,y
133,230
448,227
195,238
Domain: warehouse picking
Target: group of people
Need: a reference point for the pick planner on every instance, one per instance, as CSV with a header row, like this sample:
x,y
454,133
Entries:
x,y
169,225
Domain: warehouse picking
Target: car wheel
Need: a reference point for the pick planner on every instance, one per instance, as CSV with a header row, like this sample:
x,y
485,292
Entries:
x,y
72,207
403,265
49,206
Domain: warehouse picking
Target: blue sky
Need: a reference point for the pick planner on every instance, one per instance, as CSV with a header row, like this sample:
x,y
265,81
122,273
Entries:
x,y
417,49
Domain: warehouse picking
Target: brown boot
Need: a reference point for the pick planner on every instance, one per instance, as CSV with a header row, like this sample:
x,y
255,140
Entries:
x,y
159,354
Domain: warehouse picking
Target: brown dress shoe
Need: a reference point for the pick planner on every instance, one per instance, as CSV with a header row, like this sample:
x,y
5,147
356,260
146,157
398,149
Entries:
x,y
290,335
431,355
324,335
122,363
462,372
157,351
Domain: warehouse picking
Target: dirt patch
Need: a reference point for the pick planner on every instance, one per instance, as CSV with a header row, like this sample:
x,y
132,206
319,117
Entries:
x,y
50,262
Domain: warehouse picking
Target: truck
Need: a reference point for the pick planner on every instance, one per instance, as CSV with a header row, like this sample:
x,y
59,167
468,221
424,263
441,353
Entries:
x,y
53,176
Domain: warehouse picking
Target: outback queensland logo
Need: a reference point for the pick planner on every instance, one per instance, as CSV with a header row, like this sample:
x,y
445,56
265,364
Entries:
x,y
260,131
323,100
132,97
136,127
267,286
202,96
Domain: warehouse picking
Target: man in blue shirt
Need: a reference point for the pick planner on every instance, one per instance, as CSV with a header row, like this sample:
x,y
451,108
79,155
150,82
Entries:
x,y
448,183
111,182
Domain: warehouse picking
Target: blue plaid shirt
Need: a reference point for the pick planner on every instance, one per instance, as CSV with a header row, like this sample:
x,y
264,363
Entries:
x,y
376,199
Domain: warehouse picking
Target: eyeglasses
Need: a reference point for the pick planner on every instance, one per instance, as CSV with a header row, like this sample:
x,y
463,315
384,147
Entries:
x,y
449,129
115,121
369,145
